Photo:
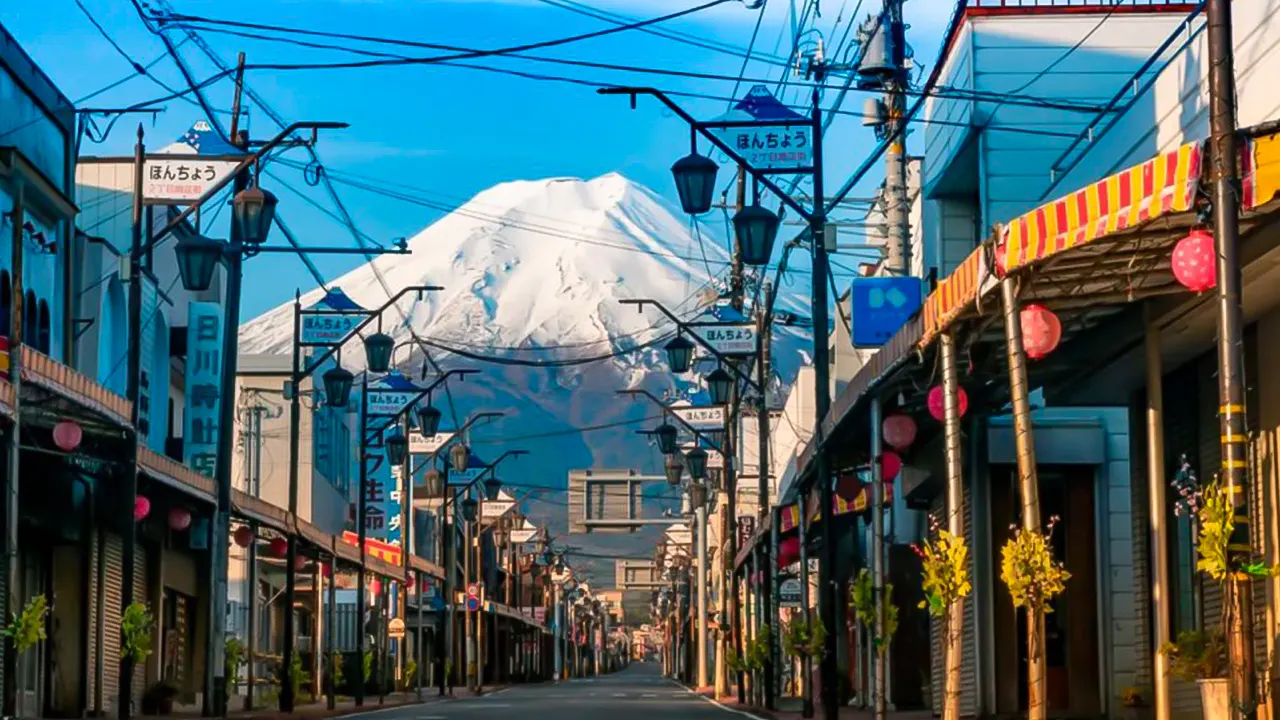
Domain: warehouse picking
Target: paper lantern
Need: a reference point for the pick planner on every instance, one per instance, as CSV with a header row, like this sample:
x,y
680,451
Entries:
x,y
848,487
936,397
375,586
1041,330
242,536
890,465
67,435
1195,263
788,551
409,582
279,547
141,508
899,431
179,519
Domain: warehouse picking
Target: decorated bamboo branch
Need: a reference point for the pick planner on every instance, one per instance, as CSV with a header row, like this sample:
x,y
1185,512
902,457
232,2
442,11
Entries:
x,y
135,633
945,565
1034,579
26,629
863,600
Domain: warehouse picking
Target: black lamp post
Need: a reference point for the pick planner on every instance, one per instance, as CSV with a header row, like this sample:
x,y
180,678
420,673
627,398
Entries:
x,y
696,460
397,446
756,229
377,350
491,487
719,386
679,354
460,457
695,177
428,420
666,435
337,386
468,507
674,469
198,256
254,211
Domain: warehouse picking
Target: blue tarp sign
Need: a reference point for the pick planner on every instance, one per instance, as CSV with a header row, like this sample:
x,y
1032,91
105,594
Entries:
x,y
881,306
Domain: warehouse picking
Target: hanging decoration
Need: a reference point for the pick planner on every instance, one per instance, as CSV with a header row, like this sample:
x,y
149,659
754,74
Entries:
x,y
1194,261
899,431
409,582
67,435
788,551
375,586
179,519
848,487
937,398
890,465
243,536
1041,331
141,508
279,547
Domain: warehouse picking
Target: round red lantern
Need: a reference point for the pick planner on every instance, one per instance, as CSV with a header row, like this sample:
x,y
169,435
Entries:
x,y
890,465
242,536
788,551
848,487
1041,331
141,508
279,547
899,431
937,402
67,435
179,519
409,582
1194,261
375,586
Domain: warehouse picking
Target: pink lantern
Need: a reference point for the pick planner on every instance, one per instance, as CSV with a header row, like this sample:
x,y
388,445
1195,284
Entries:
x,y
409,582
141,508
1041,331
242,536
279,547
788,551
179,519
937,399
67,435
890,465
326,570
375,586
899,431
1195,261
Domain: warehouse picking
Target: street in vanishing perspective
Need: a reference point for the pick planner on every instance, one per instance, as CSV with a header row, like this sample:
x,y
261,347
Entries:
x,y
640,358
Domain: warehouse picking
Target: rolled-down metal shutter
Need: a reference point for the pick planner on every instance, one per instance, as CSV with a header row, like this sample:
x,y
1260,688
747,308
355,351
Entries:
x,y
91,616
113,565
968,637
142,593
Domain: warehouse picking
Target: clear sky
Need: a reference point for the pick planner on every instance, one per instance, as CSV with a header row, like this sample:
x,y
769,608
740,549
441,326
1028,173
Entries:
x,y
447,132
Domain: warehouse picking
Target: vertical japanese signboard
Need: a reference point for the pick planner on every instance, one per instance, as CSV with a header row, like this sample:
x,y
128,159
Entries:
x,y
377,478
203,388
150,315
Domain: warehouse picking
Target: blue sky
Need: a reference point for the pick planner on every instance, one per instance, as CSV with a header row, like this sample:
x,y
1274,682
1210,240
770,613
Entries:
x,y
447,132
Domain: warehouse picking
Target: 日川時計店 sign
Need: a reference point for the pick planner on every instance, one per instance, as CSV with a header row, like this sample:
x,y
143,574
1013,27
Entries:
x,y
728,338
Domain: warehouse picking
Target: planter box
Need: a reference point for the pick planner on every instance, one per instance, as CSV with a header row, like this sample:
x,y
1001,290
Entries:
x,y
1215,699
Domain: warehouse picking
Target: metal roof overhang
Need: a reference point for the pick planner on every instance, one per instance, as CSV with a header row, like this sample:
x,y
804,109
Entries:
x,y
1092,257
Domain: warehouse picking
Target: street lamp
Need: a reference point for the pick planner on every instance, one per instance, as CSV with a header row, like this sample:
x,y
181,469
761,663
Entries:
x,y
695,177
674,469
428,420
198,257
337,386
433,483
468,507
756,228
253,211
460,457
679,354
719,386
491,487
397,446
377,350
666,435
697,495
696,460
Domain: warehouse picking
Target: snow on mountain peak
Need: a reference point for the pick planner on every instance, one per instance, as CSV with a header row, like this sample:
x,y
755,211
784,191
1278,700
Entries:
x,y
533,263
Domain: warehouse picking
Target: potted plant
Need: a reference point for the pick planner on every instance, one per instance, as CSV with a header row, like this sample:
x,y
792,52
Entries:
x,y
1201,657
336,678
135,633
1132,703
158,699
410,674
27,627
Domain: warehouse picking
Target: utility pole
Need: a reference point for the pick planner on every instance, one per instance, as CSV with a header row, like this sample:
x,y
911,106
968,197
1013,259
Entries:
x,y
1224,172
132,393
768,610
730,447
897,205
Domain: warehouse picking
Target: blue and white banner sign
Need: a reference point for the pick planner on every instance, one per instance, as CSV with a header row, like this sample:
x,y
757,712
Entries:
x,y
203,387
390,395
881,306
331,320
783,140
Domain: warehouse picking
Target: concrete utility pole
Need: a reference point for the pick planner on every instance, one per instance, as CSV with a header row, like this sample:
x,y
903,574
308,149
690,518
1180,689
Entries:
x,y
1225,175
730,447
897,205
768,608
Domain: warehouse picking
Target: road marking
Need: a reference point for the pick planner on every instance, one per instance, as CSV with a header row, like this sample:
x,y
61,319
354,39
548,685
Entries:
x,y
649,695
621,695
714,702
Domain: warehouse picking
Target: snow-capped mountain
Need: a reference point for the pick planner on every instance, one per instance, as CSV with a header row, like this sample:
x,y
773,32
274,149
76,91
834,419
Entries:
x,y
533,272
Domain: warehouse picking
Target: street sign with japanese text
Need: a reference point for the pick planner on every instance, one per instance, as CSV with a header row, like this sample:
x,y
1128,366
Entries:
x,y
382,519
733,339
679,535
180,180
421,445
390,395
204,390
782,139
493,509
331,320
702,418
789,592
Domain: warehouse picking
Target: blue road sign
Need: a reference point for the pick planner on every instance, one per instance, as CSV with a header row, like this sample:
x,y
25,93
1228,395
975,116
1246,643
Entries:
x,y
881,306
473,603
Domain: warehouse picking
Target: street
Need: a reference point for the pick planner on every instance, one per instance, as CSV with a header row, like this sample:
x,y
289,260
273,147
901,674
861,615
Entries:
x,y
637,692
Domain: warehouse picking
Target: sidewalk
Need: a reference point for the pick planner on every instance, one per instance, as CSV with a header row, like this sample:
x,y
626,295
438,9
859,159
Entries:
x,y
790,709
318,710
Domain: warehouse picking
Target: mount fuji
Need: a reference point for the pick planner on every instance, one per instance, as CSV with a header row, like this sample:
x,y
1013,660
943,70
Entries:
x,y
533,272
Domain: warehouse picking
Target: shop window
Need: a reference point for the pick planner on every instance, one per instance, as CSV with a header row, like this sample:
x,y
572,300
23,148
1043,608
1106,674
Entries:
x,y
44,338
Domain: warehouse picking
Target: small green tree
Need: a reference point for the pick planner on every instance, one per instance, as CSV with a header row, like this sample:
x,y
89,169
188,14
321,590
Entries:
x,y
234,654
27,628
336,678
135,633
863,599
368,665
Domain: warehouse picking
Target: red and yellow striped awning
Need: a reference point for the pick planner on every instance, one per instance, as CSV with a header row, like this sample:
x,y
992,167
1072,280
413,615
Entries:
x,y
860,503
951,297
1164,184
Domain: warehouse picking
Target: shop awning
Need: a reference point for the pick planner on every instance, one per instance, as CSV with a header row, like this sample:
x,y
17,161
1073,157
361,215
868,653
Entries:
x,y
49,374
176,475
791,517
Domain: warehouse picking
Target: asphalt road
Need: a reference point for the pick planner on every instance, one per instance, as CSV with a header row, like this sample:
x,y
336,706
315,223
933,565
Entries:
x,y
637,693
